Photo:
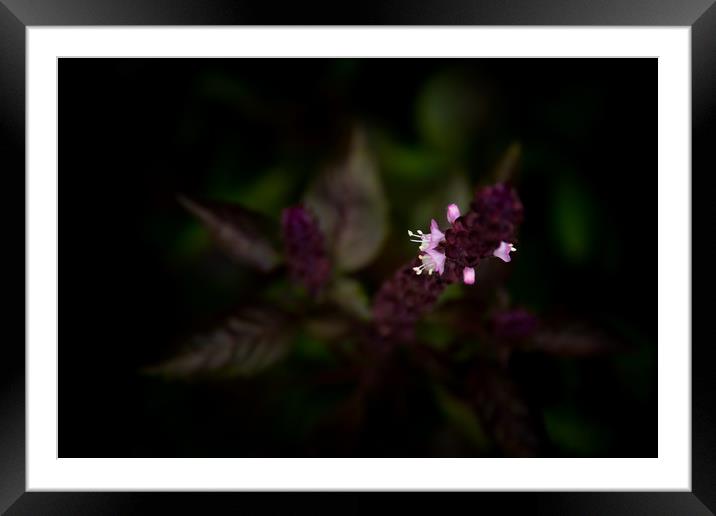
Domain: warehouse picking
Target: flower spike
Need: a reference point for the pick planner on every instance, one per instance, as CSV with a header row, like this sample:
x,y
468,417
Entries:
x,y
486,229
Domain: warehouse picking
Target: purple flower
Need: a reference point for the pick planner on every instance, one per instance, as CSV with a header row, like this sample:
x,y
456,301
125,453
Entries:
x,y
433,260
503,251
453,212
402,300
487,229
468,275
497,211
306,255
430,241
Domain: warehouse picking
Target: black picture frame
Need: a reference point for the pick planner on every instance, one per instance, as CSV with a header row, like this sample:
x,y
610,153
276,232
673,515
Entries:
x,y
17,15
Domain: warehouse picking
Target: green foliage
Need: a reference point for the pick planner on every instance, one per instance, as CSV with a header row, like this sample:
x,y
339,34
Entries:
x,y
309,348
451,188
411,163
462,416
190,241
269,193
449,110
573,433
573,221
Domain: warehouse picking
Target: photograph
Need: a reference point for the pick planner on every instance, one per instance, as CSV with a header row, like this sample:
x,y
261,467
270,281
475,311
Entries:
x,y
357,257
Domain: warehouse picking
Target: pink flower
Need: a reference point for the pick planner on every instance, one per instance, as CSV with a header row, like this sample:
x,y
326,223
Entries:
x,y
453,212
490,221
430,241
468,275
469,239
503,251
433,260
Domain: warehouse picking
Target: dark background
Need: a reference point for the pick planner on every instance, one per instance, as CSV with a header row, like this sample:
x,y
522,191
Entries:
x,y
136,274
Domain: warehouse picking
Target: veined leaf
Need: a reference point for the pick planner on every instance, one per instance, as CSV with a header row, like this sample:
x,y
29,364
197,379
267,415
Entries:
x,y
573,340
247,343
351,208
242,233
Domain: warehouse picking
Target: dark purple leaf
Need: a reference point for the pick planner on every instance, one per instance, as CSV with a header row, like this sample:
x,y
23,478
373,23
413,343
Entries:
x,y
573,340
243,234
351,208
247,343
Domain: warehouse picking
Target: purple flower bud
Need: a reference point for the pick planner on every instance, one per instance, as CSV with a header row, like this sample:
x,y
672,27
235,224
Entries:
x,y
453,213
306,256
402,300
499,210
468,275
492,221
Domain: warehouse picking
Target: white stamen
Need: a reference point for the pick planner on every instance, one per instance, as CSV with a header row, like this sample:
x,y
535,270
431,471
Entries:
x,y
428,265
420,238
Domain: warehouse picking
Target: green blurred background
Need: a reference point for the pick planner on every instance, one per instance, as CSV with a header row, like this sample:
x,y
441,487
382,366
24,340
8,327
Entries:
x,y
138,273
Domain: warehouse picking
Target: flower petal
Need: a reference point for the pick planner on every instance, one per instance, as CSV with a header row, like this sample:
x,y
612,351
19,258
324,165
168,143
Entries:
x,y
436,236
503,251
468,275
438,258
453,212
